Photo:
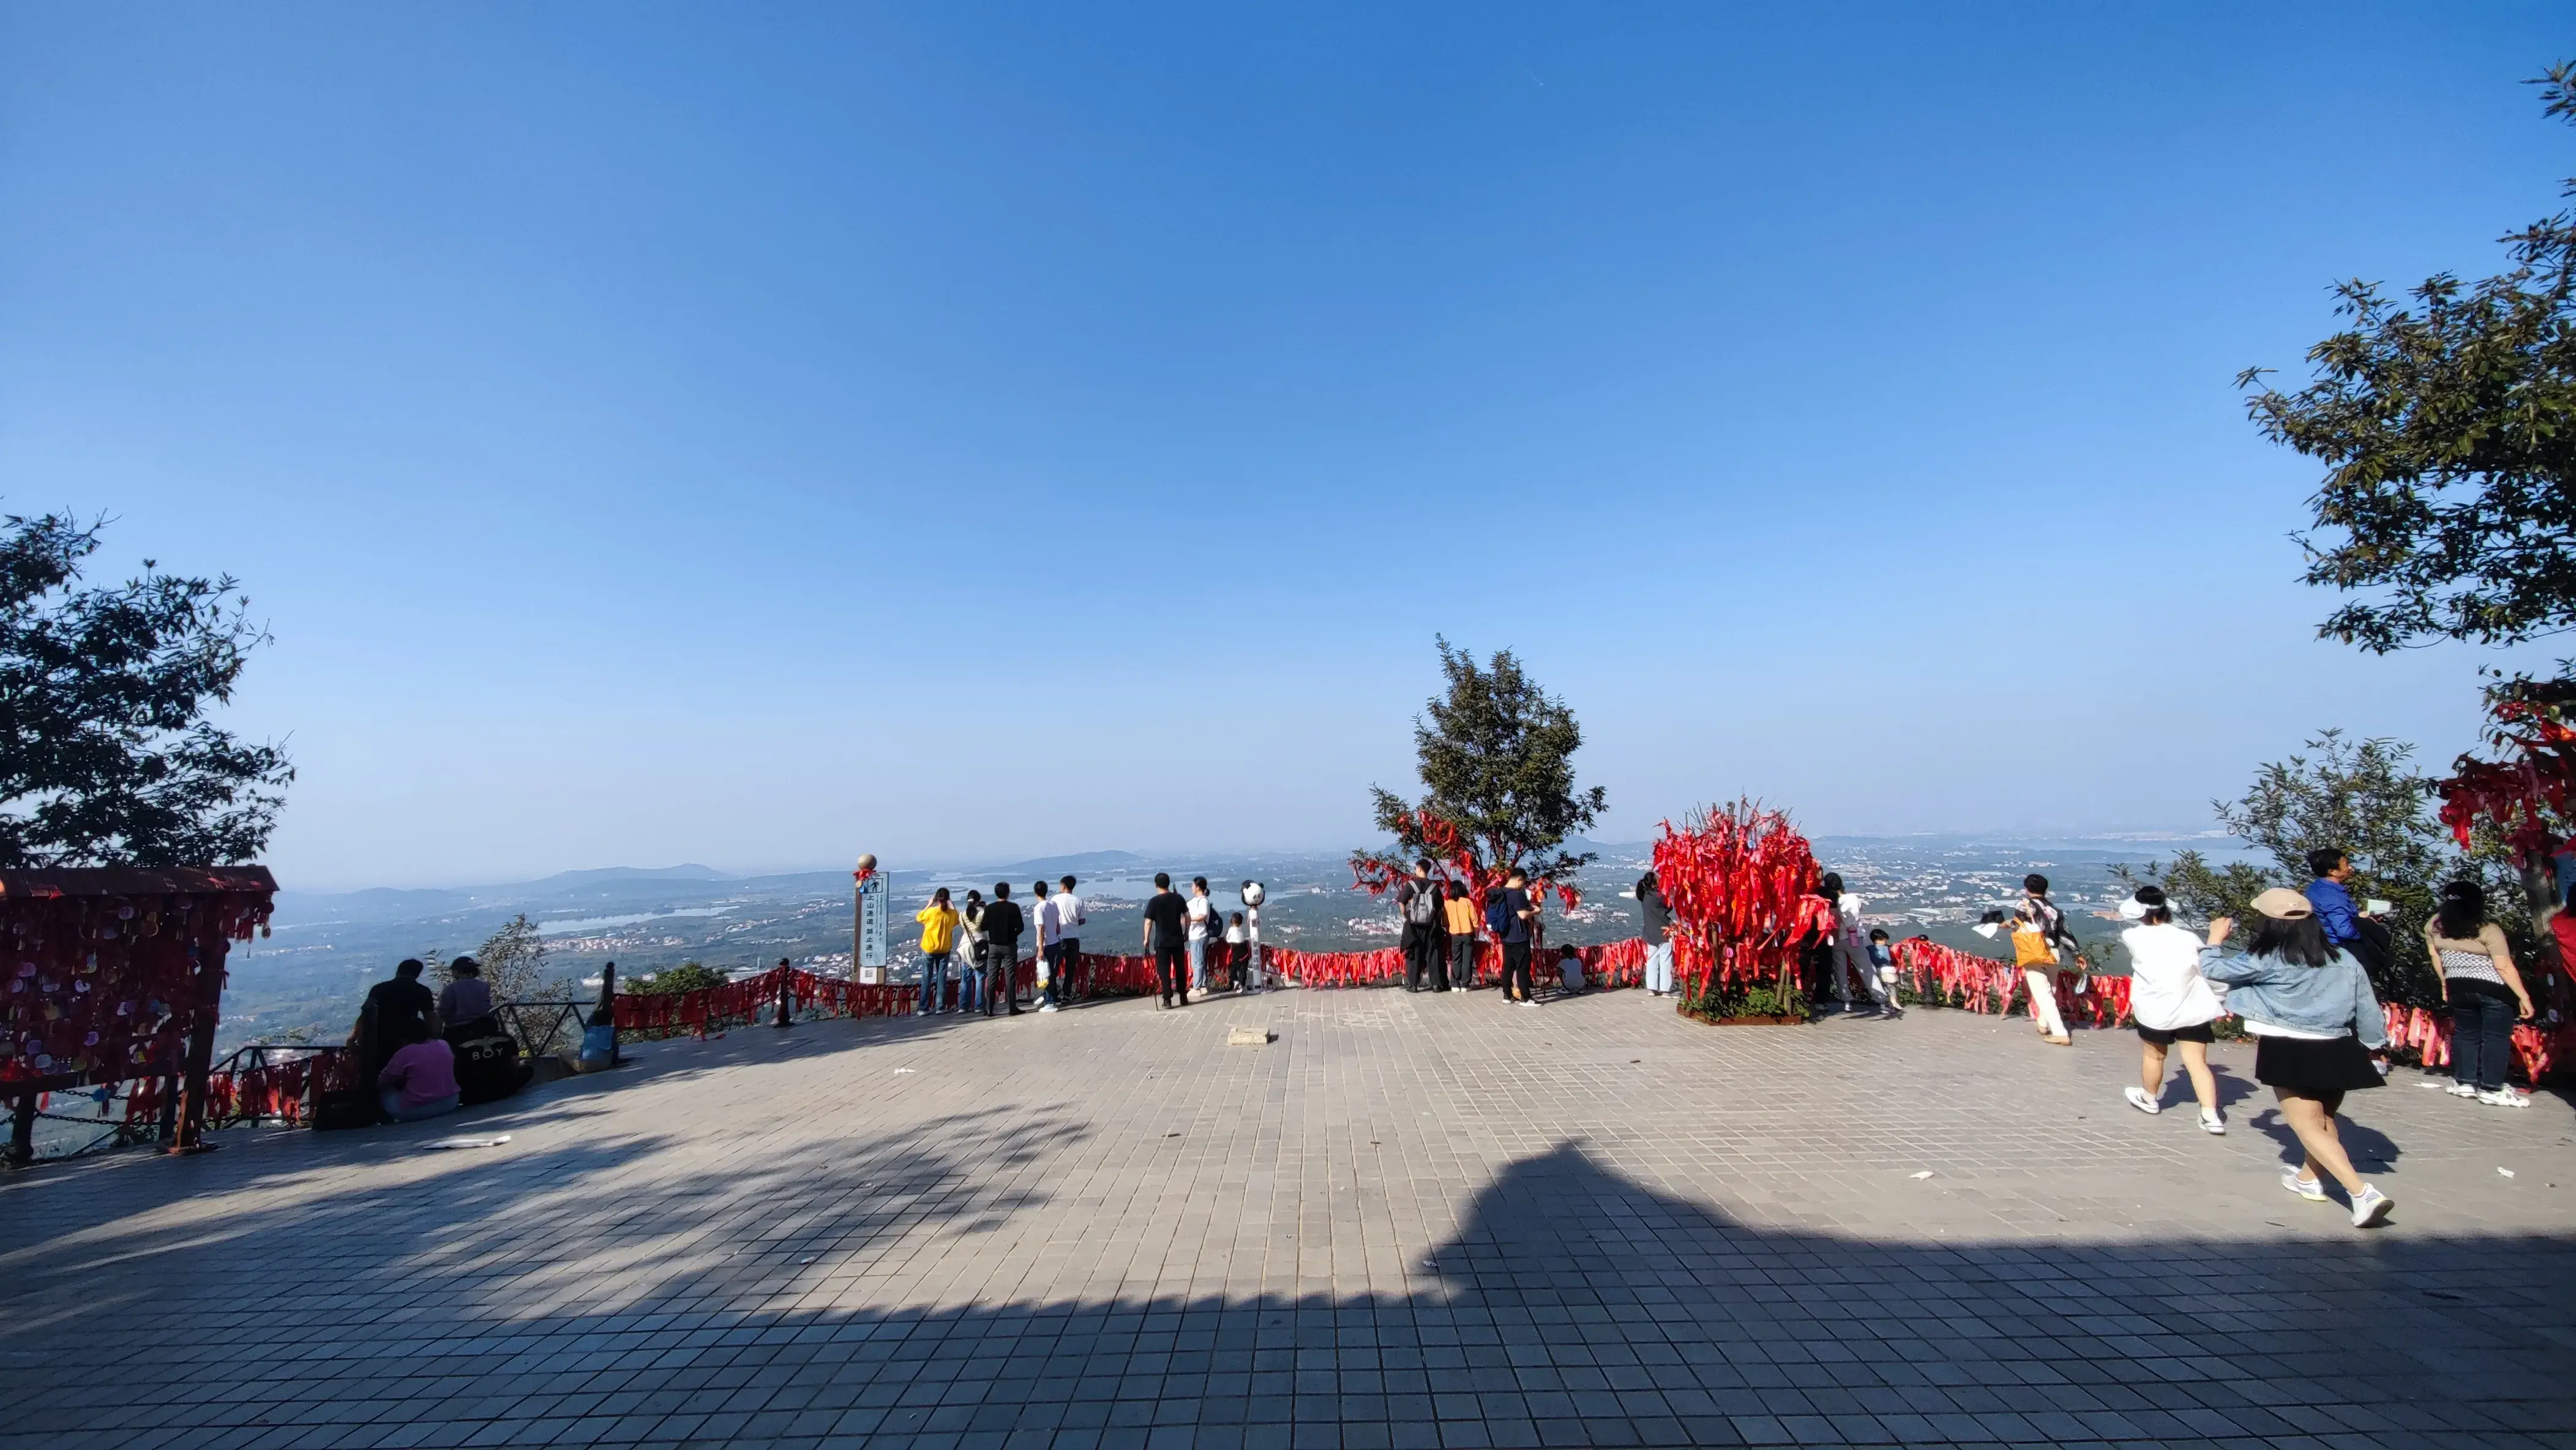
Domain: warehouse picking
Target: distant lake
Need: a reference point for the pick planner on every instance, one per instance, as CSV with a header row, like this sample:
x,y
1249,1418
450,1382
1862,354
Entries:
x,y
602,923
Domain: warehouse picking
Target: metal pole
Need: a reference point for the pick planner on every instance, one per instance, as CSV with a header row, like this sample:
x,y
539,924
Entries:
x,y
786,994
22,1131
608,1004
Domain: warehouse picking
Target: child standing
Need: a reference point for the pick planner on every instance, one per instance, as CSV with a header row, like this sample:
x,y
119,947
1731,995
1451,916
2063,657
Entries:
x,y
1238,950
1882,960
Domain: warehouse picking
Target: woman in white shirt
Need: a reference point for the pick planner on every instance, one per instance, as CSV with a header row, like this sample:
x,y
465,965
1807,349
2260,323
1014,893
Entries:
x,y
2171,1002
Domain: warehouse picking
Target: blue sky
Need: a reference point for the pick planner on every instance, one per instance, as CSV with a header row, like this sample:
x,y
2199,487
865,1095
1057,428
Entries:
x,y
759,434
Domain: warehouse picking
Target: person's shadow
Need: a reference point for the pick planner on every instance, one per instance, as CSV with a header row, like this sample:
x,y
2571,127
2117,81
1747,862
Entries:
x,y
2371,1150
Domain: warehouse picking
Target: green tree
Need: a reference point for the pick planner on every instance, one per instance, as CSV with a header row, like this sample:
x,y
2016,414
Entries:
x,y
106,757
1496,758
2361,797
513,960
686,977
2448,429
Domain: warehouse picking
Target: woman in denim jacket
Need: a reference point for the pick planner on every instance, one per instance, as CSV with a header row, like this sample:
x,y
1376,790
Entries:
x,y
2311,1009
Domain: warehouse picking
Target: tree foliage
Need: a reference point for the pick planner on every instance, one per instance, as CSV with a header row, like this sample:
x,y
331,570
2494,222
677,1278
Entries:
x,y
686,977
514,966
2365,798
106,757
513,960
1496,757
2449,433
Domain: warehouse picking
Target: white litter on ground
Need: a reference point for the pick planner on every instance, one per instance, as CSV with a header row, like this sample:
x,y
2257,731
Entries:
x,y
1926,1173
2507,1172
491,1142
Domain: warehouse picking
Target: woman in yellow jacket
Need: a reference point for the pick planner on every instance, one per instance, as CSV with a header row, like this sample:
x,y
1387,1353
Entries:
x,y
1460,911
938,949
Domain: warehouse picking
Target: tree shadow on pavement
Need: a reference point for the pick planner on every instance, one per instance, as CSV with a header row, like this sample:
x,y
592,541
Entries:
x,y
649,1291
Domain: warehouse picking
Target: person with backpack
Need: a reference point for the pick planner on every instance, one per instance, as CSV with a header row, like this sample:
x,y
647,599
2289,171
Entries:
x,y
2038,929
2483,990
1417,907
2316,1022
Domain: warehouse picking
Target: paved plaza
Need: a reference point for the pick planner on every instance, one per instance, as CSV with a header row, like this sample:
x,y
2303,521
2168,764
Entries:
x,y
1405,1221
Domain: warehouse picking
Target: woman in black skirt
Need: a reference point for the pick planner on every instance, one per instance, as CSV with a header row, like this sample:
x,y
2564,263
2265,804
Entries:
x,y
2311,1009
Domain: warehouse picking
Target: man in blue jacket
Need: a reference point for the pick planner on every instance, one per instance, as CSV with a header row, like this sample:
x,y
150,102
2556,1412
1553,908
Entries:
x,y
2332,866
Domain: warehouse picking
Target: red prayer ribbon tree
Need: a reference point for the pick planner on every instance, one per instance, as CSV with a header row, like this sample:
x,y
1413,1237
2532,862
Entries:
x,y
1737,879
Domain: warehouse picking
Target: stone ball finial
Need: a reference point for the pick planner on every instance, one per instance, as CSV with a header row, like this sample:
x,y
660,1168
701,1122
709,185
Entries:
x,y
867,862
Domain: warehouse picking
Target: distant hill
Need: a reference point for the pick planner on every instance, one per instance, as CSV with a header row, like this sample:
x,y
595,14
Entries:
x,y
604,875
1077,864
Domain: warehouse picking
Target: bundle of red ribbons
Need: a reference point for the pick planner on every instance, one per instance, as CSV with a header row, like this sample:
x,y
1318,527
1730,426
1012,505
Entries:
x,y
1736,880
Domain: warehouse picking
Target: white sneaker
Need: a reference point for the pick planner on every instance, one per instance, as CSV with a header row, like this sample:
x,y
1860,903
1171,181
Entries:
x,y
2462,1089
2370,1206
2211,1122
2138,1099
2307,1188
1048,1007
2504,1097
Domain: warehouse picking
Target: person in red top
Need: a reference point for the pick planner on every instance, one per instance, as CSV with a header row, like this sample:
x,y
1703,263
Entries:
x,y
420,1081
1811,927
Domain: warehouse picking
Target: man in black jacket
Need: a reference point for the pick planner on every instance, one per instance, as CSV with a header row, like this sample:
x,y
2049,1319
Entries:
x,y
1166,928
1003,924
1425,935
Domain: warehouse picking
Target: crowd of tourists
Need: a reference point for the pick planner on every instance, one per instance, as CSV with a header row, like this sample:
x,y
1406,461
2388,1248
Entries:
x,y
1197,946
2300,985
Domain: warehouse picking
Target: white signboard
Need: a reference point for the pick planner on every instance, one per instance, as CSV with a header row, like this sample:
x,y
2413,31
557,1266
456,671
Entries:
x,y
872,929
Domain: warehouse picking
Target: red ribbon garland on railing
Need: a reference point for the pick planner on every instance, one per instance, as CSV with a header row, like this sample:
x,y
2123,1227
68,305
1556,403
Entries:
x,y
1981,984
755,998
2427,1032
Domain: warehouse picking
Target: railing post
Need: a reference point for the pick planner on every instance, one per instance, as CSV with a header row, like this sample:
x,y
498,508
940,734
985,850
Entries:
x,y
608,1004
786,994
22,1131
189,1134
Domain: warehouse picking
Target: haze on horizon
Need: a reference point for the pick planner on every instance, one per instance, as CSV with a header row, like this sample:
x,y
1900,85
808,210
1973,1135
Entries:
x,y
661,434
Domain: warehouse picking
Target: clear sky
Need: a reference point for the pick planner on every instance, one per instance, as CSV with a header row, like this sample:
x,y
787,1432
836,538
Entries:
x,y
756,434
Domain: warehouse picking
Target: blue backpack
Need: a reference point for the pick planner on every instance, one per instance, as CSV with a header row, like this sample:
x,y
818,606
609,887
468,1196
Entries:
x,y
1497,920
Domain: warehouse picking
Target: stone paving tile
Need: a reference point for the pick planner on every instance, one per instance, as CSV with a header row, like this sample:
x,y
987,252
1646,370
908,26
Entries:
x,y
1408,1221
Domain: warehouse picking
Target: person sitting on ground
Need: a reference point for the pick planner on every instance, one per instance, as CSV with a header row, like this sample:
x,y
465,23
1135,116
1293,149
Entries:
x,y
1882,960
465,1004
598,1043
1569,968
420,1081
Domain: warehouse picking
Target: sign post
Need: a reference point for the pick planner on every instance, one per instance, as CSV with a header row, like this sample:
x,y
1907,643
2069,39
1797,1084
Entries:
x,y
868,950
